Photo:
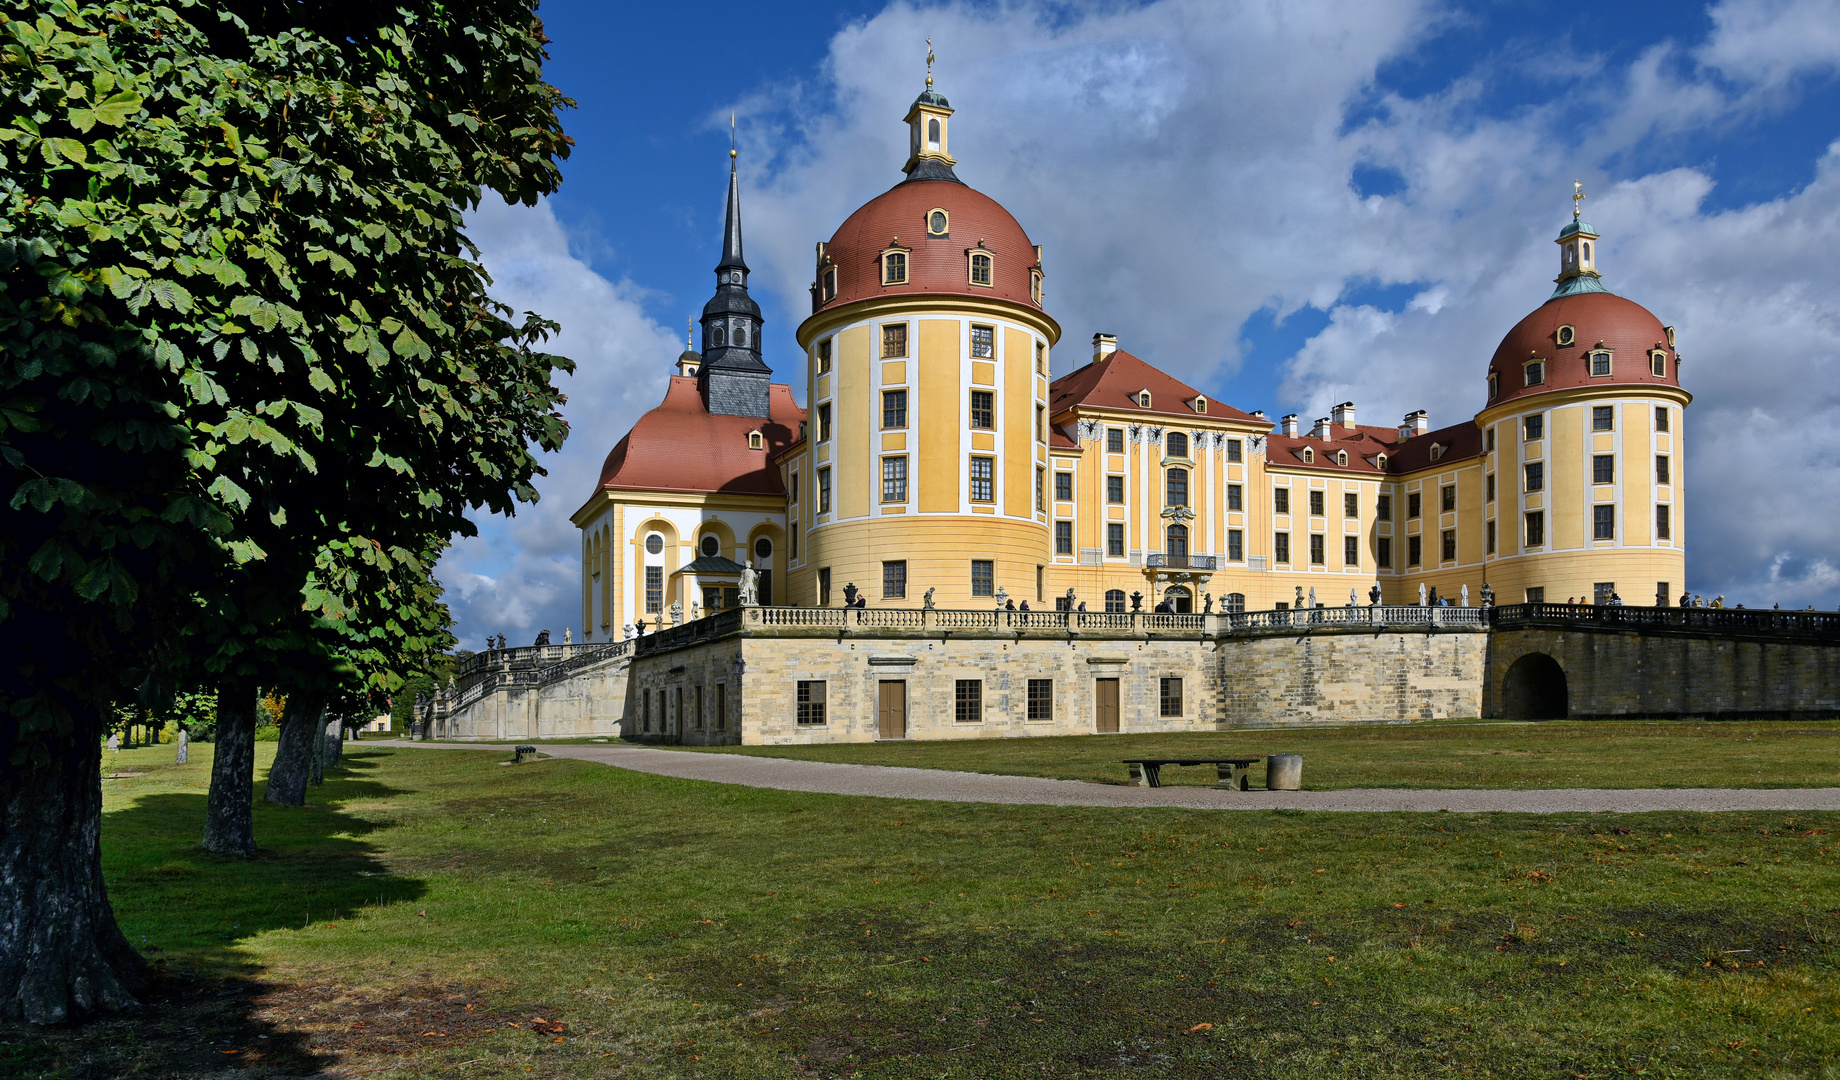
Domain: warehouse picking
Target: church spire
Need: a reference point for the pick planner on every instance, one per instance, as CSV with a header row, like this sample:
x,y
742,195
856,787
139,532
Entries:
x,y
732,378
731,231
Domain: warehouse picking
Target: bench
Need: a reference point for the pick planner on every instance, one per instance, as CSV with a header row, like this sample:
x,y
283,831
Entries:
x,y
1235,773
521,751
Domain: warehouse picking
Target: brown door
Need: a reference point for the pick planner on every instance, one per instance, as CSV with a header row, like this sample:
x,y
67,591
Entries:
x,y
891,710
1105,705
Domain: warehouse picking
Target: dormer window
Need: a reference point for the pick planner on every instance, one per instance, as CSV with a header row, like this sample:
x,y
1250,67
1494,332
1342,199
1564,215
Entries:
x,y
1035,286
1341,457
1380,461
756,441
827,284
1657,364
1670,335
938,222
1437,451
1566,335
1201,405
980,268
1600,364
1308,455
1143,399
894,268
1494,385
1535,372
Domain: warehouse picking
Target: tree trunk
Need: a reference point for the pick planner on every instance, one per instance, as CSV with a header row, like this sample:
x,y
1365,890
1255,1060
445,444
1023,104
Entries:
x,y
287,778
229,827
61,954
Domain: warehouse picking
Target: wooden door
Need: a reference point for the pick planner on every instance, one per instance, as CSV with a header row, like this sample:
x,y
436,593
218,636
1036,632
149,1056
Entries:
x,y
1105,705
891,709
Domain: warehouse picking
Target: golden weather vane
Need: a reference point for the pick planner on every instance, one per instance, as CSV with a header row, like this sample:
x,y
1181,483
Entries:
x,y
688,332
929,61
1577,198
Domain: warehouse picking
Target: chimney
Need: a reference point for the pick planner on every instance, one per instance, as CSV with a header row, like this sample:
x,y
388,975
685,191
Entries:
x,y
1288,425
1323,430
1343,415
1257,414
1104,345
1415,424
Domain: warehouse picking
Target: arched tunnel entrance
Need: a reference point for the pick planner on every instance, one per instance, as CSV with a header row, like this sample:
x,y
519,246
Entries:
x,y
1533,689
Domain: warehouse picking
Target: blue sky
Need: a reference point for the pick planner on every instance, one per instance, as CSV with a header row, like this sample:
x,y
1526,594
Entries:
x,y
1286,204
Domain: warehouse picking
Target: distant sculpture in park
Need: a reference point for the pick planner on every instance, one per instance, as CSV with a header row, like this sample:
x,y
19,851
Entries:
x,y
750,585
542,638
927,600
185,742
114,741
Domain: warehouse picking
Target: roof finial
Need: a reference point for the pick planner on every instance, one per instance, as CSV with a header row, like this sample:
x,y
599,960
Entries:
x,y
929,61
688,332
1577,198
731,136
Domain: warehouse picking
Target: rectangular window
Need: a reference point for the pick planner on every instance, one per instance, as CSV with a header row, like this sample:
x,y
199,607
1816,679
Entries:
x,y
1351,551
1600,363
1415,551
894,340
1383,551
1351,505
1041,358
1316,504
981,471
721,713
1661,418
1316,549
1413,505
1603,468
1536,528
1534,427
699,708
1664,522
792,544
811,702
824,491
1536,595
1114,540
1041,699
824,587
795,488
824,356
1281,500
654,589
894,408
1281,547
983,409
1063,487
1450,544
983,342
1489,439
824,422
1603,522
1169,697
1603,418
1041,423
968,701
1114,440
1661,469
1235,500
1177,493
1041,485
983,577
1063,538
1236,545
1490,485
1602,591
1233,450
894,580
1491,531
1383,508
894,268
1535,475
894,479
1535,373
1114,490
1447,499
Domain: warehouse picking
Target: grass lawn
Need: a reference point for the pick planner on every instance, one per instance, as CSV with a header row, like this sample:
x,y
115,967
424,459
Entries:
x,y
433,903
1558,754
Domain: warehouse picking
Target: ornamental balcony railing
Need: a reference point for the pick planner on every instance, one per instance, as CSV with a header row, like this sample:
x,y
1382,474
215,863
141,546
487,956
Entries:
x,y
1158,560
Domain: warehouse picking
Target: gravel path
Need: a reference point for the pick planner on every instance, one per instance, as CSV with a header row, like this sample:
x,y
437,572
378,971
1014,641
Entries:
x,y
831,778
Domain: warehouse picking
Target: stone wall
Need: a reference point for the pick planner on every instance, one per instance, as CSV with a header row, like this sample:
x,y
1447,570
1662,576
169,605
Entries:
x,y
1348,677
588,700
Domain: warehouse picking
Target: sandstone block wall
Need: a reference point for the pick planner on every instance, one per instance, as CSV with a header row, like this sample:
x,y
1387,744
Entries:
x,y
588,701
1351,678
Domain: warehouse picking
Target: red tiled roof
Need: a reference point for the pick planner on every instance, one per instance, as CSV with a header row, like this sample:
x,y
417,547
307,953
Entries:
x,y
1058,439
1625,327
680,446
1460,442
1113,383
937,264
1365,443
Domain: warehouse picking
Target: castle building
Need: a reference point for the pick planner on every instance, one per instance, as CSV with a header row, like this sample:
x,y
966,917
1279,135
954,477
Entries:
x,y
937,464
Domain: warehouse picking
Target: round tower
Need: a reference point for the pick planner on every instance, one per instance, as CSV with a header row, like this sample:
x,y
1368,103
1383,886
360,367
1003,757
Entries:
x,y
925,458
1583,437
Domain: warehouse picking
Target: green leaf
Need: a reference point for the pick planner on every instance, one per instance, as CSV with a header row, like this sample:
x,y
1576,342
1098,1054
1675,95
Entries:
x,y
71,150
116,109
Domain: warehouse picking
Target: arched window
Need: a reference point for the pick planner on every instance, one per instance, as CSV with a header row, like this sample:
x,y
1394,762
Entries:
x,y
755,440
1233,603
1180,599
1657,364
741,336
932,134
1380,461
1494,385
980,269
1201,405
1178,444
894,268
1176,489
1143,399
1114,600
1587,251
1309,455
719,337
1341,457
830,283
1175,543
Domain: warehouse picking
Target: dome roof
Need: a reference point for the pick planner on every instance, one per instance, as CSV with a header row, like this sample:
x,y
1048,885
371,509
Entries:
x,y
938,264
1625,328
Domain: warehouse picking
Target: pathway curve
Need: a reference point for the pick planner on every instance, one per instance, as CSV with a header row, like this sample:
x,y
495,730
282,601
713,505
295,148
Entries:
x,y
940,785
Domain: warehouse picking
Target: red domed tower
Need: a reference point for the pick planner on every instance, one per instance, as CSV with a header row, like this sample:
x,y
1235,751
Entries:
x,y
1582,433
923,464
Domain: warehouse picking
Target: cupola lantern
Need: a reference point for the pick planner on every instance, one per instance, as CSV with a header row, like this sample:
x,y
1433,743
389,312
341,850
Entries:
x,y
1577,253
927,123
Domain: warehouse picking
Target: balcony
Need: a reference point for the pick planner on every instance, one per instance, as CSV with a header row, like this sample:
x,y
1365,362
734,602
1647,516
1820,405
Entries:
x,y
1157,560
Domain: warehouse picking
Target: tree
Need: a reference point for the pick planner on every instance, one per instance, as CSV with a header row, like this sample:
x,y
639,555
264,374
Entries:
x,y
250,380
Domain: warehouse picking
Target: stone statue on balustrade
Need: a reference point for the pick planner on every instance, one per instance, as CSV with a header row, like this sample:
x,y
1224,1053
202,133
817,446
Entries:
x,y
1465,594
849,594
750,585
926,601
1488,595
1299,602
542,638
1207,603
696,611
1353,600
626,631
1312,596
1422,594
677,613
501,641
1137,601
568,637
1373,595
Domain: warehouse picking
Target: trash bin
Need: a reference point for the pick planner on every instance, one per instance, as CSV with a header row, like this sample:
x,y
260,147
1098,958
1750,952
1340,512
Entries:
x,y
1284,772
